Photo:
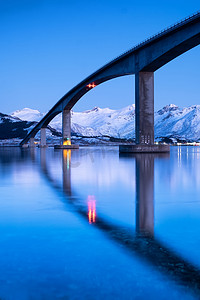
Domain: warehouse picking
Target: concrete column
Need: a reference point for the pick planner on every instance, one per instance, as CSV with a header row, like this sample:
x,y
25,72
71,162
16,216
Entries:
x,y
66,126
145,194
43,137
32,144
144,108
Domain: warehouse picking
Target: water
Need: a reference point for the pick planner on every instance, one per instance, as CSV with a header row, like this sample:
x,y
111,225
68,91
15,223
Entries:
x,y
93,224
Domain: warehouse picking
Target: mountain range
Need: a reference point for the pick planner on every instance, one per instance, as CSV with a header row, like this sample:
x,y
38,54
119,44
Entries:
x,y
171,123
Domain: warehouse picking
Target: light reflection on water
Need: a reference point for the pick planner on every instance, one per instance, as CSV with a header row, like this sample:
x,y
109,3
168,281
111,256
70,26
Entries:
x,y
143,212
91,209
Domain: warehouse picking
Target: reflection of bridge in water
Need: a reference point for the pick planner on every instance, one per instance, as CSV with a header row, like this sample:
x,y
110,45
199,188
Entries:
x,y
142,242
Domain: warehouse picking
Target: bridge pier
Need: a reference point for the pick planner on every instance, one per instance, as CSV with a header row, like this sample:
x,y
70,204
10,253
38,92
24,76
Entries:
x,y
144,116
144,108
66,131
43,142
66,127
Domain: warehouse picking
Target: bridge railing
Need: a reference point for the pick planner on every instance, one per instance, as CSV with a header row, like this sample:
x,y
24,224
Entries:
x,y
160,33
151,38
168,29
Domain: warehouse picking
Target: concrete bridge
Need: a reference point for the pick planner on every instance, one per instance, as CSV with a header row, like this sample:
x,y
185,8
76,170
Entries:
x,y
142,61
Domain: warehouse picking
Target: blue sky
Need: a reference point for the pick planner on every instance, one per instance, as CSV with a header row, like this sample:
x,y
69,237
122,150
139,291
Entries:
x,y
48,46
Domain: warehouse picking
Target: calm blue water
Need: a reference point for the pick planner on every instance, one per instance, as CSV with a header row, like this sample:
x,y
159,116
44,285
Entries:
x,y
93,224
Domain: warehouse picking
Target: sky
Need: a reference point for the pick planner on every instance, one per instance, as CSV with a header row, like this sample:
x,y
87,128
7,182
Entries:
x,y
49,46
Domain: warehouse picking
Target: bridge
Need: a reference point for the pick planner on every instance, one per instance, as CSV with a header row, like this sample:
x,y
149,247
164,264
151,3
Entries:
x,y
142,61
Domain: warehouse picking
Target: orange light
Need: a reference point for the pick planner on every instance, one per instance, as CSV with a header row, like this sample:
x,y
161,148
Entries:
x,y
68,142
91,209
91,85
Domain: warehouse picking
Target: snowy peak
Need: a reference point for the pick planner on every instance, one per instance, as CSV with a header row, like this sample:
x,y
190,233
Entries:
x,y
95,109
105,121
28,114
168,108
98,110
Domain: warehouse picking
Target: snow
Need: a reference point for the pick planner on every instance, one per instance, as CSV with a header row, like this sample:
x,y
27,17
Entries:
x,y
170,121
28,114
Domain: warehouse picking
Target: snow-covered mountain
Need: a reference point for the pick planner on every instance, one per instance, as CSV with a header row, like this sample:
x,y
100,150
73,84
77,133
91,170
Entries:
x,y
28,114
12,127
170,121
94,122
176,122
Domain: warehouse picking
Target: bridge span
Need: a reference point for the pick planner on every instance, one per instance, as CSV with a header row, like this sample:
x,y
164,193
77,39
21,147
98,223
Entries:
x,y
142,61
